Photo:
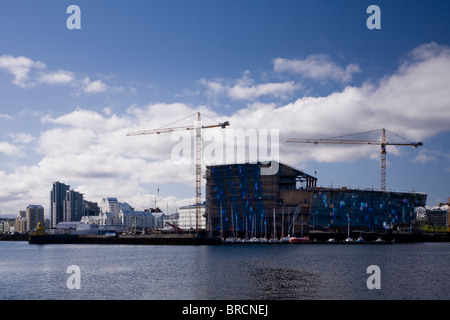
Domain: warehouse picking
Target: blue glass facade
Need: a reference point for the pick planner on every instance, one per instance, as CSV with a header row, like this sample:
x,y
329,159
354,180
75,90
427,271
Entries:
x,y
363,209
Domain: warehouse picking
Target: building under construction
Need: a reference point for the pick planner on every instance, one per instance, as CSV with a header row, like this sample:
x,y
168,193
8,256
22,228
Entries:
x,y
253,199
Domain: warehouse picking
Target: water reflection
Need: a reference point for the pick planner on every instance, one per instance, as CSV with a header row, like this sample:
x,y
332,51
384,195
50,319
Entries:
x,y
284,283
225,272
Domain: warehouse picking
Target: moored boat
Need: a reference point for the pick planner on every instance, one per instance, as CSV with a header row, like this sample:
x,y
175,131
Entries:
x,y
305,239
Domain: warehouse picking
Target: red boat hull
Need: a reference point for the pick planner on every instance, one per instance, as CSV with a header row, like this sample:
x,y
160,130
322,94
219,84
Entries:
x,y
300,240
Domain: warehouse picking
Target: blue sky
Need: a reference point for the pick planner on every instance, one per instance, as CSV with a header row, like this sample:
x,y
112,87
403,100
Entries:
x,y
309,69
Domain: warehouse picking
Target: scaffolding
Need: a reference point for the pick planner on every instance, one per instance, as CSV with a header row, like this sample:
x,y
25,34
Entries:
x,y
241,200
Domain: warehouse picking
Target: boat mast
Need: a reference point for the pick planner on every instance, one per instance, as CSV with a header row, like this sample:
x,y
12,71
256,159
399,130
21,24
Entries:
x,y
301,235
246,225
221,220
274,228
348,222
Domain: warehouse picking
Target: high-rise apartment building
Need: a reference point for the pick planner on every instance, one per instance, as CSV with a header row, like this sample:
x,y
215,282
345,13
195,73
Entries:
x,y
91,208
34,215
73,206
57,197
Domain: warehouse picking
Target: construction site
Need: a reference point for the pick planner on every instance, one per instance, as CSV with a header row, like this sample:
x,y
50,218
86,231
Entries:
x,y
252,201
242,203
249,200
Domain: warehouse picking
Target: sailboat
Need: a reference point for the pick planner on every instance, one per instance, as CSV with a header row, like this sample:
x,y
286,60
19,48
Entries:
x,y
348,239
234,237
253,237
246,239
261,239
283,237
301,239
221,223
274,239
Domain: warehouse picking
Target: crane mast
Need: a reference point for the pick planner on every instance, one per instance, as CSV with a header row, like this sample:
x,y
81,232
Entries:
x,y
383,143
198,156
198,171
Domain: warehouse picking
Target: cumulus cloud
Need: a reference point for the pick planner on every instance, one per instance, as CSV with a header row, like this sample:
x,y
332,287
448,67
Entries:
x,y
20,68
87,119
318,67
423,157
21,137
28,73
246,89
58,77
10,149
96,86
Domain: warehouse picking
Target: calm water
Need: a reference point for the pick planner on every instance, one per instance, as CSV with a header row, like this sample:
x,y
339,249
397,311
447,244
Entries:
x,y
228,272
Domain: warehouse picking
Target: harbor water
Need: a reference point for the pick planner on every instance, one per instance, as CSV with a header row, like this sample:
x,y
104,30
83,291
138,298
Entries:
x,y
224,272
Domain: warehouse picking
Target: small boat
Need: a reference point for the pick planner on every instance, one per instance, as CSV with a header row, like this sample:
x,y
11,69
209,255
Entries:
x,y
273,240
349,239
379,240
331,240
254,240
300,240
360,239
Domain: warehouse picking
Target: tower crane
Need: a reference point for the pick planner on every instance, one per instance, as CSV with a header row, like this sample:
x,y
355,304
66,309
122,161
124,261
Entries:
x,y
383,143
198,157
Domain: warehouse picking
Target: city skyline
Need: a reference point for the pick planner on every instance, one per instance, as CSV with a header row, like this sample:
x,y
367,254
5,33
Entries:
x,y
308,70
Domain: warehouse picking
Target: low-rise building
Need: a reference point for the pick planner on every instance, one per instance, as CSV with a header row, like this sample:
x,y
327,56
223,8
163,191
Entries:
x,y
188,216
20,224
136,219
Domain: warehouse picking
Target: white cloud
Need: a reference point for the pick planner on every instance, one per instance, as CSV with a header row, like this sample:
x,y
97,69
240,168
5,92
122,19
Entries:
x,y
93,86
266,89
107,111
23,69
423,157
59,77
20,68
318,67
87,119
246,89
22,137
10,149
6,116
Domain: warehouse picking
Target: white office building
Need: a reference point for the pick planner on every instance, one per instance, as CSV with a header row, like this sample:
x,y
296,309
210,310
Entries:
x,y
109,211
136,219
